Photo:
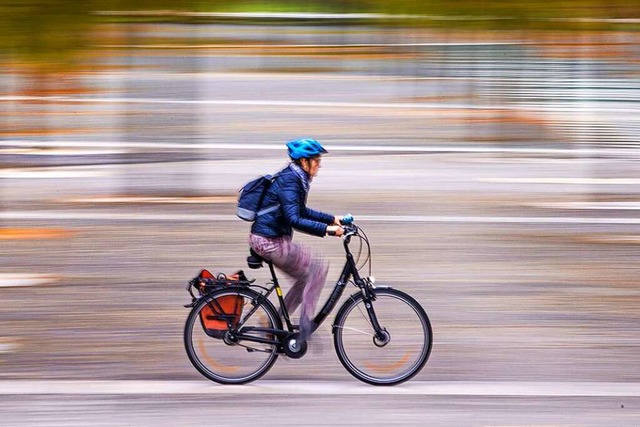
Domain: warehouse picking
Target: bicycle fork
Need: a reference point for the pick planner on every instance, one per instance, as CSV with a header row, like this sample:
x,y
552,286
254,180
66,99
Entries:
x,y
381,337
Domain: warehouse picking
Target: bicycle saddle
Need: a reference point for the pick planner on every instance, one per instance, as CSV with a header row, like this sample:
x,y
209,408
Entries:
x,y
254,261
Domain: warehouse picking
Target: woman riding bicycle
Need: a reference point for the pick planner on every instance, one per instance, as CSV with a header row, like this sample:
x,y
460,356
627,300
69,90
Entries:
x,y
233,334
272,232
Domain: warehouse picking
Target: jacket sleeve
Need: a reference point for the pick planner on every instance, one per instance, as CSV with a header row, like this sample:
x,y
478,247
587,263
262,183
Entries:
x,y
322,217
292,202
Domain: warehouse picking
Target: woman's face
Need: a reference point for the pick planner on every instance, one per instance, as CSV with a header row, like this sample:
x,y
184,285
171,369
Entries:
x,y
312,166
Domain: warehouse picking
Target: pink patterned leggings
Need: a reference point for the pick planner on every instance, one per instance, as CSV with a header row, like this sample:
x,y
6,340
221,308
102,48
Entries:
x,y
295,260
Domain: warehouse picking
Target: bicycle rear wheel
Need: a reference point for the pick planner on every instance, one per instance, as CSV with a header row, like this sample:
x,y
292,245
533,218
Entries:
x,y
400,354
221,357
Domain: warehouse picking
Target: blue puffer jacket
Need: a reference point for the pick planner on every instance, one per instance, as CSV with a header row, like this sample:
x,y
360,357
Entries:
x,y
289,190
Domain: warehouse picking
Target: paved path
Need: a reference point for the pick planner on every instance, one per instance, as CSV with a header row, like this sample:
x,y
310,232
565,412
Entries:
x,y
271,403
302,387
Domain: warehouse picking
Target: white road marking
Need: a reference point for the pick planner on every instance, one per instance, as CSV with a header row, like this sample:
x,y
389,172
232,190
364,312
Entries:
x,y
503,220
87,151
53,173
562,107
106,216
523,81
576,152
267,387
267,75
154,200
564,180
15,280
605,206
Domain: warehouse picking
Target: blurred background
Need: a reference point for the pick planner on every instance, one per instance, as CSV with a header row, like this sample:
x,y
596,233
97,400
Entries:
x,y
489,149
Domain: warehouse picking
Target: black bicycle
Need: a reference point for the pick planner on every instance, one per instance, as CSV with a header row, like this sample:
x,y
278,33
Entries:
x,y
234,333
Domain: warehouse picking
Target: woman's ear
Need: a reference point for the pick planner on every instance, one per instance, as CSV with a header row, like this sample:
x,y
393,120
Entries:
x,y
304,164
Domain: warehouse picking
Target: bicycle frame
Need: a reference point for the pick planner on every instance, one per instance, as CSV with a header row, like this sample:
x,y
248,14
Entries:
x,y
349,271
261,327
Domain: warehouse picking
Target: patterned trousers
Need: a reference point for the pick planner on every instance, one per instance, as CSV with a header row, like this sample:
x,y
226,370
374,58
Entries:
x,y
308,272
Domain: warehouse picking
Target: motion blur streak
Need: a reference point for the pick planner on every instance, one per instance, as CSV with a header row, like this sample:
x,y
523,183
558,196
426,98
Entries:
x,y
489,150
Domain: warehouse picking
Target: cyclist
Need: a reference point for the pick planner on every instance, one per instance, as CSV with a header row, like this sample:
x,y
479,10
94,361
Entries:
x,y
272,232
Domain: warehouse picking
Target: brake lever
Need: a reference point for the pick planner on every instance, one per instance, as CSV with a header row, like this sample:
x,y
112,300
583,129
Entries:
x,y
350,230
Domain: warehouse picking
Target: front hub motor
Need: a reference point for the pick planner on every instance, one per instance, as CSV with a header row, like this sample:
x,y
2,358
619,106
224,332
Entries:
x,y
382,339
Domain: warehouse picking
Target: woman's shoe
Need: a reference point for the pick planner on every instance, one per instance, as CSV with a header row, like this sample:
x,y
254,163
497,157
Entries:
x,y
307,326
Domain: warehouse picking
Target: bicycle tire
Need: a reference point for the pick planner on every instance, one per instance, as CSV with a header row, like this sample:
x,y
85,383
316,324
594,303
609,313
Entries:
x,y
232,363
371,361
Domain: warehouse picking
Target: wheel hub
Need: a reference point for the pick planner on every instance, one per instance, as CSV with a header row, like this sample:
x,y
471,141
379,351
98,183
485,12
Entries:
x,y
230,338
382,339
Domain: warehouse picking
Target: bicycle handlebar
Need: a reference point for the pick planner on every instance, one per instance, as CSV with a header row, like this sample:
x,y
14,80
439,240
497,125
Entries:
x,y
349,230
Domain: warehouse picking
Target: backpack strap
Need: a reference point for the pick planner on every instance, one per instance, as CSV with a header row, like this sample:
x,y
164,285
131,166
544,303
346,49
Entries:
x,y
274,207
267,210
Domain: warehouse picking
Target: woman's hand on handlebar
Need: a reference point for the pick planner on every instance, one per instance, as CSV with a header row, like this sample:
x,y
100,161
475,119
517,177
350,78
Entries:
x,y
340,225
335,230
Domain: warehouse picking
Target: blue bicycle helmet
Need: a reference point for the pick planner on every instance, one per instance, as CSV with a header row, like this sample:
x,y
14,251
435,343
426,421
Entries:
x,y
304,148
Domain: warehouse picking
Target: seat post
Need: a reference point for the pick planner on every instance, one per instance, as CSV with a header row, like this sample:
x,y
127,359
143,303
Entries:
x,y
283,312
273,273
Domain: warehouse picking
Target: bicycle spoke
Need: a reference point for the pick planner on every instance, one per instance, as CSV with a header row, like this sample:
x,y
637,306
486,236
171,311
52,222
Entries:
x,y
394,356
357,330
255,349
365,315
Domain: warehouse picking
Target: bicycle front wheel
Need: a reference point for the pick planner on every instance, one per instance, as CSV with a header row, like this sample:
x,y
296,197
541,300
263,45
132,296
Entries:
x,y
396,355
216,348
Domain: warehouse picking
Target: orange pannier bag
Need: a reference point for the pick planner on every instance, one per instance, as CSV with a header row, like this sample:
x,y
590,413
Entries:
x,y
220,312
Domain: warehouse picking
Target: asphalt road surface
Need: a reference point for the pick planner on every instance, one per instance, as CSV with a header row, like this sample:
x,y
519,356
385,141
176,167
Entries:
x,y
512,219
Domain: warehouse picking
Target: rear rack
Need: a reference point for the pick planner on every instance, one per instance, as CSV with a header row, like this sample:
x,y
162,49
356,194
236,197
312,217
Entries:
x,y
203,285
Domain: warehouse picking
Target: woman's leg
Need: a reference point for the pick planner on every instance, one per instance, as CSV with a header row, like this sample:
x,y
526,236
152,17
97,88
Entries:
x,y
309,273
316,277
